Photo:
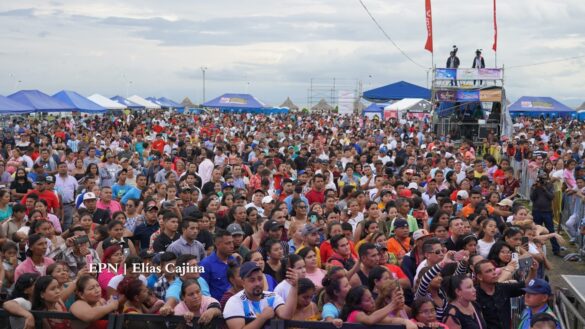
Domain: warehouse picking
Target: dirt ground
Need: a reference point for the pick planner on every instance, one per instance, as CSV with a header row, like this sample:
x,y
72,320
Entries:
x,y
561,267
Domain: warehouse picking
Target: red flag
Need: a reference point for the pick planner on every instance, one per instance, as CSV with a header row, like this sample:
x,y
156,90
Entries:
x,y
495,46
429,15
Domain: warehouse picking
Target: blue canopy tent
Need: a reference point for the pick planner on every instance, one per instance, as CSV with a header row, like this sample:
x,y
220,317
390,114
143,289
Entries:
x,y
129,104
155,101
581,115
242,103
170,103
8,106
40,102
535,107
397,91
373,111
79,102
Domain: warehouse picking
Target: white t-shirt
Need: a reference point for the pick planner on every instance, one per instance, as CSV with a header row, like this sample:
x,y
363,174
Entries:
x,y
483,248
18,322
282,289
372,182
239,306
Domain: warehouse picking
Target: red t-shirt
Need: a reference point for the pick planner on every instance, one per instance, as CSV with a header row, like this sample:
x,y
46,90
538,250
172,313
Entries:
x,y
159,145
315,196
49,196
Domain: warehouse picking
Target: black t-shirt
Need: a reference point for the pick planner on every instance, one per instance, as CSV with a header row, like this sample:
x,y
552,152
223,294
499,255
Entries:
x,y
206,239
208,188
164,241
496,308
21,187
101,216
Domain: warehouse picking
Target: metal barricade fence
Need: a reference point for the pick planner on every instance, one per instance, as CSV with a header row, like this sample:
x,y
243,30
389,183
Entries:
x,y
144,321
568,313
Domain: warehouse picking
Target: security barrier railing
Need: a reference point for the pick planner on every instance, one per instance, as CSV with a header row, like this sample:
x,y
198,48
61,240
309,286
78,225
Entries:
x,y
568,313
144,321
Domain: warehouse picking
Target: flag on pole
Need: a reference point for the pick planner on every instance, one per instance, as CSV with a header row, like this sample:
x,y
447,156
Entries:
x,y
429,16
495,46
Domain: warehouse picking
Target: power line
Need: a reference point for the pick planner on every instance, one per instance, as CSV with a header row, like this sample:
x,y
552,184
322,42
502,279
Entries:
x,y
390,38
546,62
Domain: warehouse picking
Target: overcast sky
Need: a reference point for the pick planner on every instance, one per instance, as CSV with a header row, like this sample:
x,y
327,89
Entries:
x,y
273,48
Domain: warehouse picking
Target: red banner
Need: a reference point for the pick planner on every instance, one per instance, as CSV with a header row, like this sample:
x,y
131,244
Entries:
x,y
495,46
429,15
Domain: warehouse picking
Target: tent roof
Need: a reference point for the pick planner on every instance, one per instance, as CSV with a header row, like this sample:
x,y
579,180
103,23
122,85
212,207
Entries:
x,y
8,106
396,91
410,103
129,104
539,105
79,102
322,106
240,101
373,108
289,103
581,107
187,102
106,102
153,100
145,103
41,102
169,103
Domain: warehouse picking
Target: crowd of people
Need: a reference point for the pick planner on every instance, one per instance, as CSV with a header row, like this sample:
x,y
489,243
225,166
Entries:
x,y
242,218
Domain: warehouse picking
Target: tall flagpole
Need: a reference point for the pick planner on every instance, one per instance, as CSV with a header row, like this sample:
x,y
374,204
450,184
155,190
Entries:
x,y
495,46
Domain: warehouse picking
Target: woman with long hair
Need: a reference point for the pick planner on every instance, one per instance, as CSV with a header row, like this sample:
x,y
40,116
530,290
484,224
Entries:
x,y
92,170
462,311
90,307
313,272
42,206
252,242
47,297
20,186
193,304
78,171
113,257
60,271
360,308
336,286
116,236
20,303
5,207
306,309
487,236
424,314
390,292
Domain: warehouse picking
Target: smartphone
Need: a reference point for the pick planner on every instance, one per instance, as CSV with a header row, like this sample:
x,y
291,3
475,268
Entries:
x,y
313,219
514,256
524,240
81,239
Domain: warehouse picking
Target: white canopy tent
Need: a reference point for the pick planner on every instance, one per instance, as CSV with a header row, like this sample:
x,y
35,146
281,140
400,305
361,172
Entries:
x,y
146,103
417,107
103,101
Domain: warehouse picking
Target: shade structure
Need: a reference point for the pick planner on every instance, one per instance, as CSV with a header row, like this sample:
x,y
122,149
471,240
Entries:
x,y
105,102
187,103
581,107
540,106
153,100
128,103
79,102
374,111
322,106
288,103
8,106
40,101
169,102
147,104
397,91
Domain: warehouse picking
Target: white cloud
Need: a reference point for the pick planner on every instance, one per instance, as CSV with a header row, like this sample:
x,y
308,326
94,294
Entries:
x,y
273,48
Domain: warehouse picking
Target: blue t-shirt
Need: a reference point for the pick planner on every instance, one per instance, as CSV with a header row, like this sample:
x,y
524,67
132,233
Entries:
x,y
174,290
330,311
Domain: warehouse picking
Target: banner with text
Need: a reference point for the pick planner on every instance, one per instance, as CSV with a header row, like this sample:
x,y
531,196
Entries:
x,y
469,74
346,101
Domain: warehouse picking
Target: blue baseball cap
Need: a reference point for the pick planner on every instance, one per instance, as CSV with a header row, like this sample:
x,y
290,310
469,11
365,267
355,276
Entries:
x,y
538,286
248,268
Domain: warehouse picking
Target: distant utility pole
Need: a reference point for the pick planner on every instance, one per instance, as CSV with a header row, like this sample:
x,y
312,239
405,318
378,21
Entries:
x,y
203,69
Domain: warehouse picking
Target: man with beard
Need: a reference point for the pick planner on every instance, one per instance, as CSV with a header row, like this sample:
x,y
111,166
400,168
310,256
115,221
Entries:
x,y
253,302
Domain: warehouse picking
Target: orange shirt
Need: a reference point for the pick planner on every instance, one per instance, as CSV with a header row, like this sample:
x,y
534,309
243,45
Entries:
x,y
398,248
468,210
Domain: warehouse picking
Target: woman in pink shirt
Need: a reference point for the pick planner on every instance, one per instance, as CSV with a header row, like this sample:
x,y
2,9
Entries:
x,y
113,258
569,175
193,304
35,261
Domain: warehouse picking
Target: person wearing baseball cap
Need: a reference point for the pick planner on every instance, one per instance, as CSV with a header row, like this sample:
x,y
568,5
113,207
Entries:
x,y
254,302
538,291
100,216
238,234
312,239
399,244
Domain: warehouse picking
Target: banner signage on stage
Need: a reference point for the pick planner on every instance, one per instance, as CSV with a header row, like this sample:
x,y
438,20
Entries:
x,y
467,95
447,95
490,95
469,74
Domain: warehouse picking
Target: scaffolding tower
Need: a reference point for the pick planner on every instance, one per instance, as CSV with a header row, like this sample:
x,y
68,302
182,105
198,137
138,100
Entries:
x,y
329,89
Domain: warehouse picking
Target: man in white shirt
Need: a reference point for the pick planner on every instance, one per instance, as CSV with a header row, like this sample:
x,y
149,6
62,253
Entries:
x,y
206,167
253,302
66,185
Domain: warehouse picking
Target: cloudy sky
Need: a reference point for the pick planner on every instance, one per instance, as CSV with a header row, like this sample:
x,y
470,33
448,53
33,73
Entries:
x,y
274,48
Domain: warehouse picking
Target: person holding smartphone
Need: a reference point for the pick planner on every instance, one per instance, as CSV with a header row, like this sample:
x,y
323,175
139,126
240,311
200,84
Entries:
x,y
79,253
